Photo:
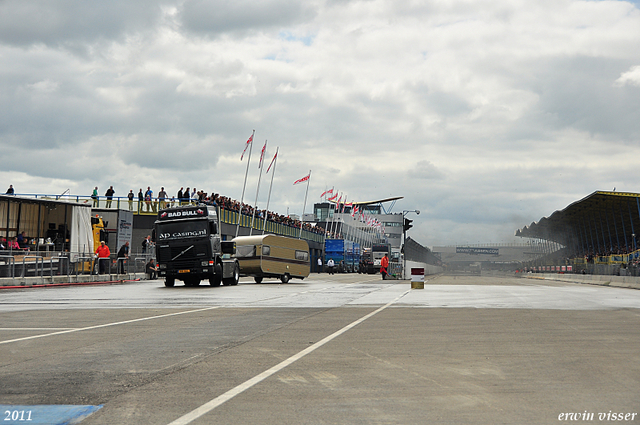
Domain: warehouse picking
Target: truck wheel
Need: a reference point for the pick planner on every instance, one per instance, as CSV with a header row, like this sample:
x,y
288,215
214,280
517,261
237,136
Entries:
x,y
216,279
258,279
169,282
235,278
285,278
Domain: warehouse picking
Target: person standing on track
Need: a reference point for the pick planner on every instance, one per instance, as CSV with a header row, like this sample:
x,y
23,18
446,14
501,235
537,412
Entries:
x,y
384,266
103,253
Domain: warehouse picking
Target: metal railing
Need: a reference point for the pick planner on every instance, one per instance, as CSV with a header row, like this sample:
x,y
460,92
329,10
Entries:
x,y
61,264
141,207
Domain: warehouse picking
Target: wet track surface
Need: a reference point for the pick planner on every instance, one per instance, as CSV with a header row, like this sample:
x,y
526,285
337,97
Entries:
x,y
330,349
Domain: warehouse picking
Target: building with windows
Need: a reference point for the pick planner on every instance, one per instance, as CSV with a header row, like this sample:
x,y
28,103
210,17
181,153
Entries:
x,y
364,222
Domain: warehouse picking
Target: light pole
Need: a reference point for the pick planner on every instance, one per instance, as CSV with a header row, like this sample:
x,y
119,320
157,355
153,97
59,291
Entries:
x,y
406,225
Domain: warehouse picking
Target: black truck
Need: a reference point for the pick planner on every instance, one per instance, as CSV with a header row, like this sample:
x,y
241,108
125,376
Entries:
x,y
189,247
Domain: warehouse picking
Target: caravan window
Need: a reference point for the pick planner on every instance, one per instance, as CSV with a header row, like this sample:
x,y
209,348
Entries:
x,y
266,250
244,251
302,255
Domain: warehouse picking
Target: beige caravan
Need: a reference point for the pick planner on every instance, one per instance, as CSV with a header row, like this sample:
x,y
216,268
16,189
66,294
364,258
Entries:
x,y
272,256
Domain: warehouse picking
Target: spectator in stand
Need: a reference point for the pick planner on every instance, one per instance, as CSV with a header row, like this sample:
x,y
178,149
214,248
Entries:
x,y
180,194
102,254
148,199
140,200
22,239
10,191
109,194
130,196
94,196
162,198
13,243
185,197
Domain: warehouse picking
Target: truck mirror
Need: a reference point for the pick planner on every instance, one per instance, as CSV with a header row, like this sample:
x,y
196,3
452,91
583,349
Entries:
x,y
228,247
213,229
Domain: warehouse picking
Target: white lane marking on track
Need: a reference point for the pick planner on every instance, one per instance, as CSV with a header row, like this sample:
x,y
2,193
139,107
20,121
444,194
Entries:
x,y
210,405
124,322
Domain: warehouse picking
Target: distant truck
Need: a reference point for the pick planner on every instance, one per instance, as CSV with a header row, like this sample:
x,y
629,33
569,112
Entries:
x,y
377,252
189,247
334,250
344,253
276,256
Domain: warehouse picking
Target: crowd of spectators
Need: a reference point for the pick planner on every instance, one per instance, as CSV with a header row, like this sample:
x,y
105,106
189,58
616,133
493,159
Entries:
x,y
188,196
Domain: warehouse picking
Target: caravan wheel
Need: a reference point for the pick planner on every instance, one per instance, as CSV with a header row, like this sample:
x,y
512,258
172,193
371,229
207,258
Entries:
x,y
285,278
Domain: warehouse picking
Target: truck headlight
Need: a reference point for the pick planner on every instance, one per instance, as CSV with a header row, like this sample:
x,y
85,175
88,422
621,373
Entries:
x,y
163,266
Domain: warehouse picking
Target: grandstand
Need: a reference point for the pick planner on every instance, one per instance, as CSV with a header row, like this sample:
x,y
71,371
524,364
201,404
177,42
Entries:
x,y
595,235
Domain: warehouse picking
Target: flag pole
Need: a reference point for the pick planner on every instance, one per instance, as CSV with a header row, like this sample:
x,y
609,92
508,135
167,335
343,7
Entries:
x,y
245,183
304,205
275,162
253,217
334,226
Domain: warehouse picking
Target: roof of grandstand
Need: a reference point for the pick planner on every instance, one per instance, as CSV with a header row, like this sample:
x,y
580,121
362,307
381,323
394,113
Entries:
x,y
607,218
380,201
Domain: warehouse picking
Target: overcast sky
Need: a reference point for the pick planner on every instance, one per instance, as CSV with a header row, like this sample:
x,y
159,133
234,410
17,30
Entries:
x,y
484,115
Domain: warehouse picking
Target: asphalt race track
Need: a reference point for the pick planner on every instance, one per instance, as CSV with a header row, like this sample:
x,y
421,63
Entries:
x,y
341,349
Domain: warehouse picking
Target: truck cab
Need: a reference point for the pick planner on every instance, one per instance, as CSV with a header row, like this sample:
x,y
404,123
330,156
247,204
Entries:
x,y
189,247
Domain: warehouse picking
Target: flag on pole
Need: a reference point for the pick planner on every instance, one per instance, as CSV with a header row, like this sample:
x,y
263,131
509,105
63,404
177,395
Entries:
x,y
273,160
304,179
333,197
246,145
327,192
264,149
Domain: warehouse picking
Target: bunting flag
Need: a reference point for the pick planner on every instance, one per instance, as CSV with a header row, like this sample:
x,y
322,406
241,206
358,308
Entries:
x,y
304,179
273,160
246,145
264,149
327,192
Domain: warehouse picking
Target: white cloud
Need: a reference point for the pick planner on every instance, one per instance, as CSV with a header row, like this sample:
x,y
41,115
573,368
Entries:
x,y
630,77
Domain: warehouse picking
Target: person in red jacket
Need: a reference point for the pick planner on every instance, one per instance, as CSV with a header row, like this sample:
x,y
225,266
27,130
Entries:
x,y
103,253
384,266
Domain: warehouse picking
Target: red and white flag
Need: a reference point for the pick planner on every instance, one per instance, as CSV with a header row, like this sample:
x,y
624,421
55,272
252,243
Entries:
x,y
264,149
333,197
304,179
327,192
273,160
246,145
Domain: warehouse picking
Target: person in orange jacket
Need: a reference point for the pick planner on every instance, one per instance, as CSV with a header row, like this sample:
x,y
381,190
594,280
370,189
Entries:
x,y
384,266
103,253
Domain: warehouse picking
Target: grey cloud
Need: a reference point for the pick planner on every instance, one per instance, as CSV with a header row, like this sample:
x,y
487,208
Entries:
x,y
425,170
26,22
578,92
238,16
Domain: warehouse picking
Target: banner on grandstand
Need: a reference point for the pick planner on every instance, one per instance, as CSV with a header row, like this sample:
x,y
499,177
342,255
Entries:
x,y
476,251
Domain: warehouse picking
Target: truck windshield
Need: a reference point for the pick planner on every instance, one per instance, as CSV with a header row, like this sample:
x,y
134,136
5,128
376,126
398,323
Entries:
x,y
182,230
